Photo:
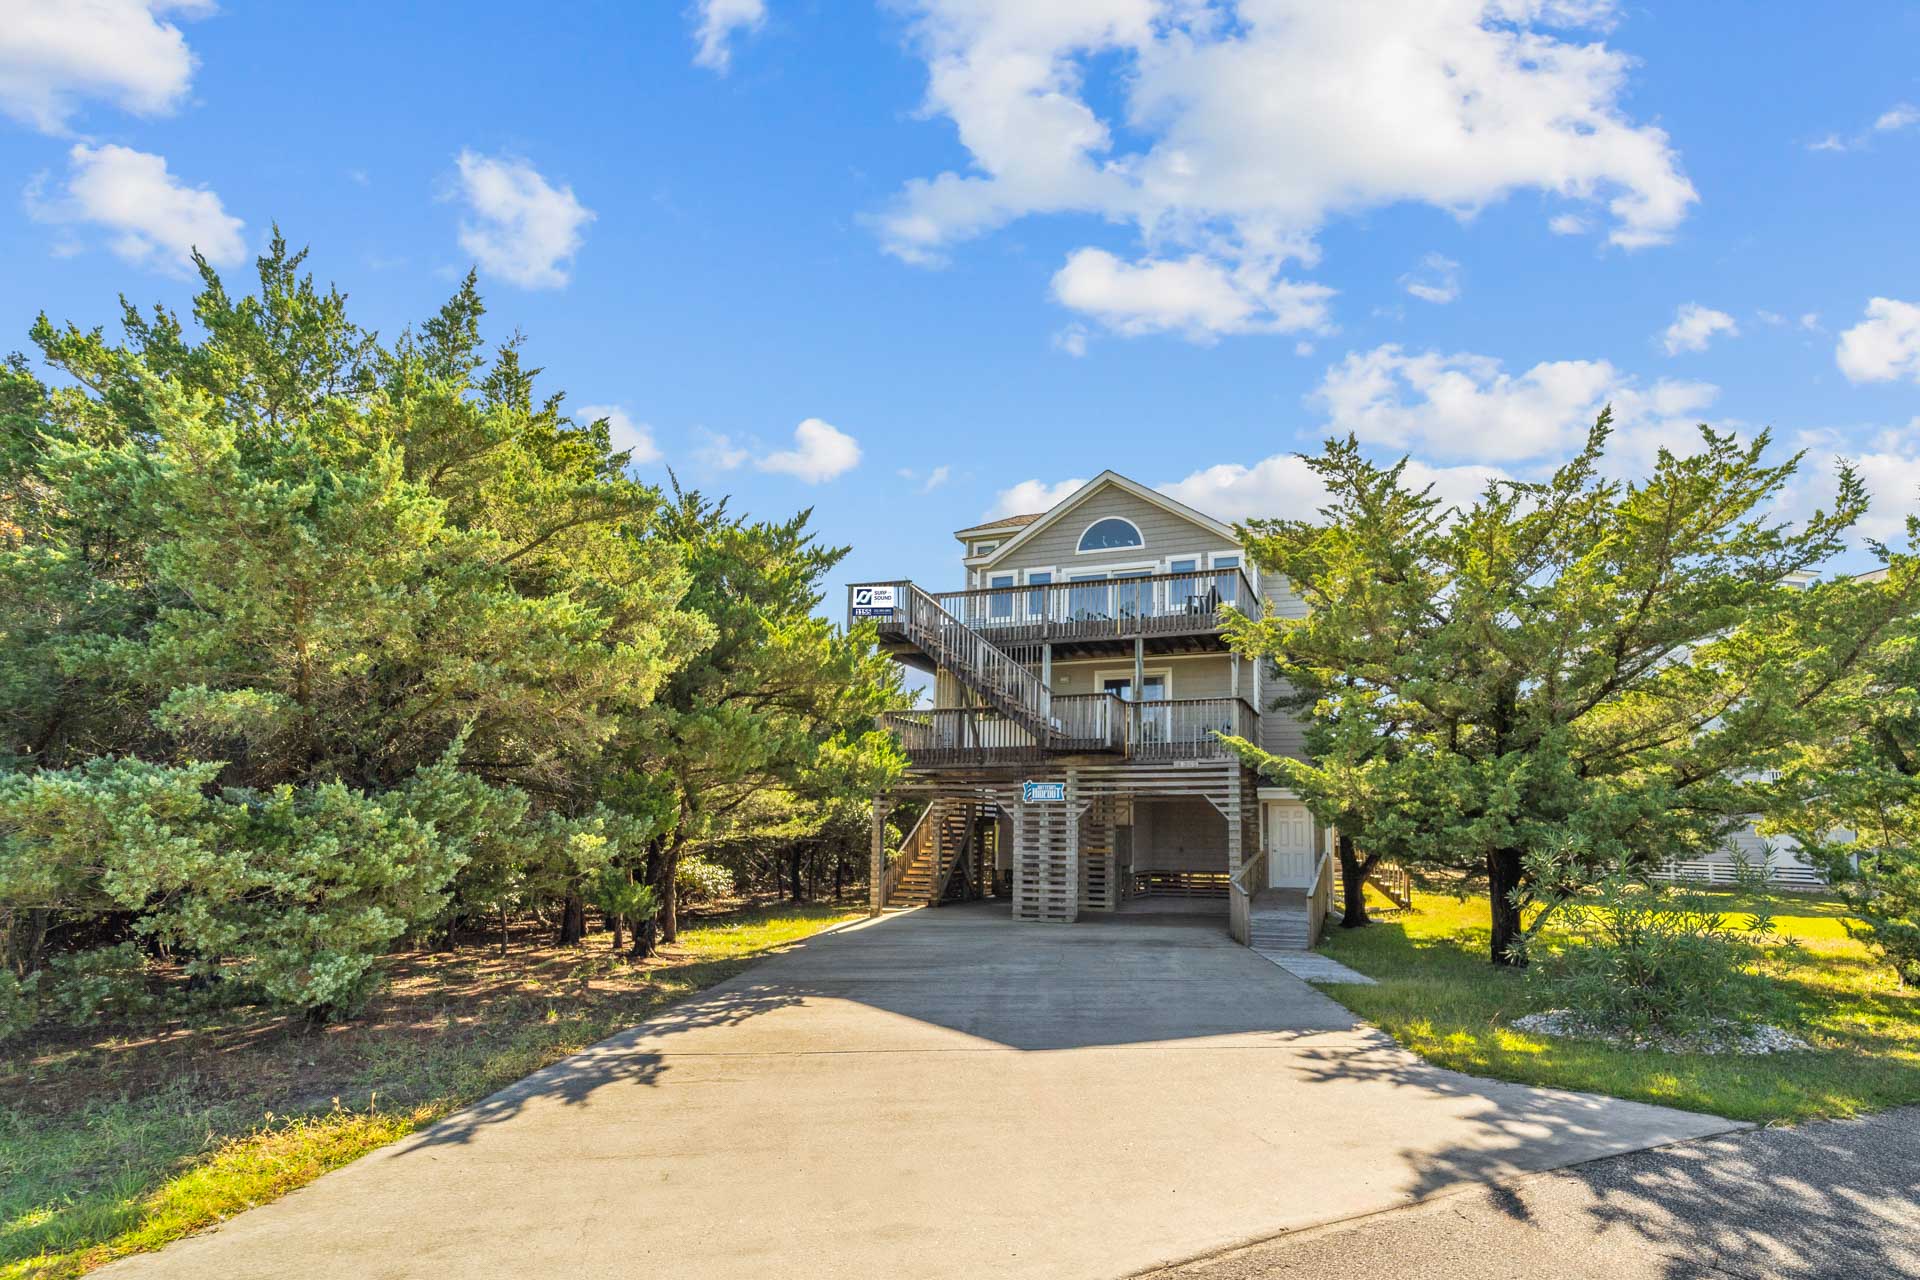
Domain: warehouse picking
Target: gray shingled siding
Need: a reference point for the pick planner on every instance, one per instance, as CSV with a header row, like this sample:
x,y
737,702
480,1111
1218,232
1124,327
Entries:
x,y
1201,676
1166,535
1280,733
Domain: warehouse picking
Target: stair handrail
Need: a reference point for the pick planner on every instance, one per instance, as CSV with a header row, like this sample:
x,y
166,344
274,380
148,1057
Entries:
x,y
1240,893
905,856
952,643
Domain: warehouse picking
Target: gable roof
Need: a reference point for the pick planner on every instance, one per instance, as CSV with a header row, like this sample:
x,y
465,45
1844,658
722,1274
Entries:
x,y
1111,480
994,526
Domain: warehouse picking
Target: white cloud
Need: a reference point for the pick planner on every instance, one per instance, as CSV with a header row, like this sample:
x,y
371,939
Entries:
x,y
1437,280
1902,115
1568,224
1888,463
1030,496
1194,296
1284,487
152,219
934,479
1811,322
523,229
820,452
634,437
718,20
55,53
1693,328
1770,317
1465,406
721,453
1891,471
1072,340
1237,137
1884,346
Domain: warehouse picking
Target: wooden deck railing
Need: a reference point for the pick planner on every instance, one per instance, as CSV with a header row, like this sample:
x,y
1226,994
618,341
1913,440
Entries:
x,y
1090,723
1187,728
1117,608
1079,723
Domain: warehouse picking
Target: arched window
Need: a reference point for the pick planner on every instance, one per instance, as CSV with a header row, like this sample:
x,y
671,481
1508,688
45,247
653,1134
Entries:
x,y
1106,535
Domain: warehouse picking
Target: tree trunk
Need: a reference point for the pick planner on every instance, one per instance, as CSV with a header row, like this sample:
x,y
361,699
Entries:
x,y
839,873
1353,884
669,896
573,921
793,877
615,922
1503,878
503,933
643,939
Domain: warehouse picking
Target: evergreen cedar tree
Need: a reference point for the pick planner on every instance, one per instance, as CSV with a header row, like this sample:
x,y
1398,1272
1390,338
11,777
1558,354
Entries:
x,y
1849,791
310,641
1577,661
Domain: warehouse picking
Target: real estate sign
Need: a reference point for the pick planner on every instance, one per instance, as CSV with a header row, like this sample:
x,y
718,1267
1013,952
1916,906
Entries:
x,y
874,602
1043,792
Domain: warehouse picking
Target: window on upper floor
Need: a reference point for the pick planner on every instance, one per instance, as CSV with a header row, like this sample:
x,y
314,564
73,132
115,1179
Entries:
x,y
1111,533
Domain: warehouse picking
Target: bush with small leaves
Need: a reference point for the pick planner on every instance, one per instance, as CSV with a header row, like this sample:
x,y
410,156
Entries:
x,y
106,982
699,881
1643,959
19,1002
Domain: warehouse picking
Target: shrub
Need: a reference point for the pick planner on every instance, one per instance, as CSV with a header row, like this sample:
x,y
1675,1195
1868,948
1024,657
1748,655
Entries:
x,y
85,986
19,1002
699,881
296,892
1644,959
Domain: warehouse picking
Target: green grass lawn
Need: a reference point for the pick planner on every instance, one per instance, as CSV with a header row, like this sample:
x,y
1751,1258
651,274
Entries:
x,y
119,1142
1440,998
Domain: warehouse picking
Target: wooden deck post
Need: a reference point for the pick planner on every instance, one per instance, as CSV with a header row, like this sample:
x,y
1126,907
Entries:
x,y
877,866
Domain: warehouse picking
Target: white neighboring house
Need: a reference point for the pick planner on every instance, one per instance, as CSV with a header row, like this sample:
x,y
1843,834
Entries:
x,y
1779,858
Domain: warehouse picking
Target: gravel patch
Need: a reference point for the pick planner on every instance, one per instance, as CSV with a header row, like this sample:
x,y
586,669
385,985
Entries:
x,y
1727,1037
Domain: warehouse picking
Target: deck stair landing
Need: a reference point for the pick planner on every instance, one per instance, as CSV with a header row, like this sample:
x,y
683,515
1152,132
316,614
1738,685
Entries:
x,y
1278,921
1279,928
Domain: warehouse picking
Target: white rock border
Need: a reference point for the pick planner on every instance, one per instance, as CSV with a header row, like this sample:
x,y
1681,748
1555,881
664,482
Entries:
x,y
1728,1037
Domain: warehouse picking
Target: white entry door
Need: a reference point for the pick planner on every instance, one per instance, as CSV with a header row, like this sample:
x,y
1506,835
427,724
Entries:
x,y
1289,845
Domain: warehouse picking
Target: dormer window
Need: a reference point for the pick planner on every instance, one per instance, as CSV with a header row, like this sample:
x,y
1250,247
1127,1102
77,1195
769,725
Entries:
x,y
1111,534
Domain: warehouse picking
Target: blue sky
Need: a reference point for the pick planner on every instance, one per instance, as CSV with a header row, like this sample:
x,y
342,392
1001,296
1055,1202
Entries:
x,y
915,263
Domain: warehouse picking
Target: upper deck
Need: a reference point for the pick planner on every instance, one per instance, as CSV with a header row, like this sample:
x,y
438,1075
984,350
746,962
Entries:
x,y
1170,612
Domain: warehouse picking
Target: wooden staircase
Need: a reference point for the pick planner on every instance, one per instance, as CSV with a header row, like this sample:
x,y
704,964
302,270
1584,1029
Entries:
x,y
1278,921
1390,878
1001,680
942,840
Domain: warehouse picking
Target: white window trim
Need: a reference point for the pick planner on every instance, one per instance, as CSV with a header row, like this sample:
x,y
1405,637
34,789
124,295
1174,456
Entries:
x,y
1026,575
984,548
1149,567
1102,675
1245,566
1098,551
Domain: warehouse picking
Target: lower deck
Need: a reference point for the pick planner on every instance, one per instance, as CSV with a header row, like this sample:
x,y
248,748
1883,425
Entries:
x,y
1087,840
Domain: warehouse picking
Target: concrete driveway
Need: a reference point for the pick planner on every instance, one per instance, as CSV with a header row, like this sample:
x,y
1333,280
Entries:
x,y
943,1093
